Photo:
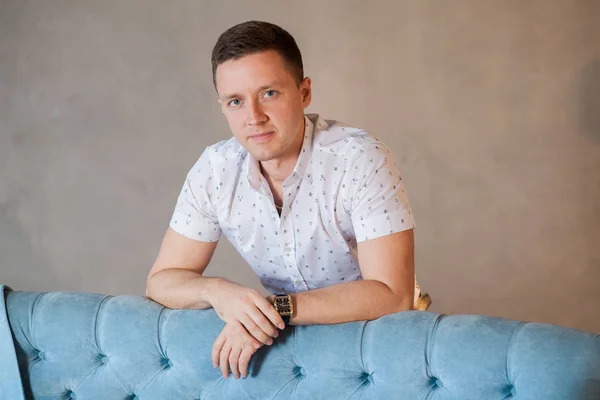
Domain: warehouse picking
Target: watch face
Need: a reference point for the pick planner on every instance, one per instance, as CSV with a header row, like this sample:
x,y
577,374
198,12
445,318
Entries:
x,y
283,305
285,309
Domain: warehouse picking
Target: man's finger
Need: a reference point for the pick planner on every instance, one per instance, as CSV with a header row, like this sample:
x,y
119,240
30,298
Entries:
x,y
216,349
263,322
269,311
255,330
224,358
233,360
244,360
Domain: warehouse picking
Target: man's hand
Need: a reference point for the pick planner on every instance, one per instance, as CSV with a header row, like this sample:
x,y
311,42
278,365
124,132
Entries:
x,y
235,303
233,349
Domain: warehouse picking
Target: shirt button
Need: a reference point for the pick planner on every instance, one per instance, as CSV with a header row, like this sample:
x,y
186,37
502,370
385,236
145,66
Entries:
x,y
298,282
287,249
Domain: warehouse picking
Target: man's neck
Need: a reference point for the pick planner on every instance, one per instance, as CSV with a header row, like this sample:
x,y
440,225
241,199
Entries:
x,y
276,171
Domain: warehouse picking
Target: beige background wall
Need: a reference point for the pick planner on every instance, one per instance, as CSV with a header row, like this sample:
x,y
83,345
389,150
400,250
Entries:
x,y
491,107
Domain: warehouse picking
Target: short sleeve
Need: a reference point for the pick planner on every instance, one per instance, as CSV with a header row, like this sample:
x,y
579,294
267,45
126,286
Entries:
x,y
194,215
376,197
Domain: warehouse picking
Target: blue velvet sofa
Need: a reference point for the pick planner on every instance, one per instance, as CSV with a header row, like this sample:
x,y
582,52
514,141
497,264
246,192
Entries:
x,y
62,345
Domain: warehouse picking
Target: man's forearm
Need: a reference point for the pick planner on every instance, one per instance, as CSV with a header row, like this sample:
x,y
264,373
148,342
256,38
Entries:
x,y
181,289
347,302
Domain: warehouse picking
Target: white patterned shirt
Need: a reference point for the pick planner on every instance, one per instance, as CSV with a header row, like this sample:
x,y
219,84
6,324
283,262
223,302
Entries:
x,y
344,189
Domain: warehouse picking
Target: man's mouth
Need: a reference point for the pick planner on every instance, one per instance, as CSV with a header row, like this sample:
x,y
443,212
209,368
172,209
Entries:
x,y
261,137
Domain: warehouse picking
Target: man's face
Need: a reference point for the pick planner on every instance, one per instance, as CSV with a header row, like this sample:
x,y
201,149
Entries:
x,y
263,104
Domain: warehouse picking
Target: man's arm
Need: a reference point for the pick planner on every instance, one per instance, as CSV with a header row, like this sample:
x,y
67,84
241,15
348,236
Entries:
x,y
175,279
387,266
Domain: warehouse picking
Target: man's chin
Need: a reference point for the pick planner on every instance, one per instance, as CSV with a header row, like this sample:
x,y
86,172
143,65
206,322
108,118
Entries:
x,y
263,155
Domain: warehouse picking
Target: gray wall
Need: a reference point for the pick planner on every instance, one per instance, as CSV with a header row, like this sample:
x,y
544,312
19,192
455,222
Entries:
x,y
491,107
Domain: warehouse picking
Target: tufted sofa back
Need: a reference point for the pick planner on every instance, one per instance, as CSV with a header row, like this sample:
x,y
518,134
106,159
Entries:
x,y
92,346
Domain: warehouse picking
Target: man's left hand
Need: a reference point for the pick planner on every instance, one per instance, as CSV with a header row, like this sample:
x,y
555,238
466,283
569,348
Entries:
x,y
233,349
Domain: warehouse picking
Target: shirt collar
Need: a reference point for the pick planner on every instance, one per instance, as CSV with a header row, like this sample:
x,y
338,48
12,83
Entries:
x,y
303,161
301,169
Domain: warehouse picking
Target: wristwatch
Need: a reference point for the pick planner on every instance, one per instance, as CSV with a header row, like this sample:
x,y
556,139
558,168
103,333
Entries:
x,y
284,306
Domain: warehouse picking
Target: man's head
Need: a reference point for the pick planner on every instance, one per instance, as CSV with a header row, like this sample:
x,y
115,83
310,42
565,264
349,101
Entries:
x,y
259,78
254,37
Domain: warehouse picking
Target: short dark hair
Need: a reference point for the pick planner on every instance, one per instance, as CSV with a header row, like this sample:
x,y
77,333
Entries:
x,y
253,37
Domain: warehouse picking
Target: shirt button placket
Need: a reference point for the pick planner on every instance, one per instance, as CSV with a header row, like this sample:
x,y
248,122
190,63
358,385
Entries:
x,y
287,240
287,236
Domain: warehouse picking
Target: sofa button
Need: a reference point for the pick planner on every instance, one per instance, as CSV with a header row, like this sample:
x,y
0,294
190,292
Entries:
x,y
104,359
299,371
511,390
41,355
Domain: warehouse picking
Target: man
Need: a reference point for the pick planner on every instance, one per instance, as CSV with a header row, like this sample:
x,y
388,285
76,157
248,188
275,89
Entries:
x,y
315,207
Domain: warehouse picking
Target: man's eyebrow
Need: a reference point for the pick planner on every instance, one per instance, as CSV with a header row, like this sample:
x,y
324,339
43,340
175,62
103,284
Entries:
x,y
260,89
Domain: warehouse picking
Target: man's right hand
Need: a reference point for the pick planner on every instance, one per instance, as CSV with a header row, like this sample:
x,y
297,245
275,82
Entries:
x,y
236,303
184,287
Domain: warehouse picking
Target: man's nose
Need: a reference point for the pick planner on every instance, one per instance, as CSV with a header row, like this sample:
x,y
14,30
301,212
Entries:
x,y
256,114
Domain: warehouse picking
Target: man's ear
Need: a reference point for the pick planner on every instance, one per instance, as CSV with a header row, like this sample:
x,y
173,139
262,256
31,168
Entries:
x,y
306,92
221,104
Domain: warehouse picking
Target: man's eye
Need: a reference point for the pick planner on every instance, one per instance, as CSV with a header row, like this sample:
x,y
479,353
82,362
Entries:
x,y
270,93
234,103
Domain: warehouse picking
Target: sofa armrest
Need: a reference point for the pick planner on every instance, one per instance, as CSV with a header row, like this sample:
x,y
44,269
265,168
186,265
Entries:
x,y
11,386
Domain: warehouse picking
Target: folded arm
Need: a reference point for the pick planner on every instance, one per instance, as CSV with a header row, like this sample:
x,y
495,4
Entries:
x,y
387,266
